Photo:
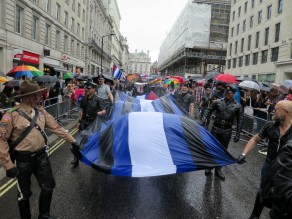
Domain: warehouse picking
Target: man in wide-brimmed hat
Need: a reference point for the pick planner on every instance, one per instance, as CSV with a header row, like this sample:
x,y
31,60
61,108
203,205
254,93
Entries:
x,y
23,127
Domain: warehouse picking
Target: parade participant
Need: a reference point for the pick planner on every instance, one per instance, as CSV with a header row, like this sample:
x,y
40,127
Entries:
x,y
22,131
279,132
185,100
90,108
205,102
104,93
282,180
226,110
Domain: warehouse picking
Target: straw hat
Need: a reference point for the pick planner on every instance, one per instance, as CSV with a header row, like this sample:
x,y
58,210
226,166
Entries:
x,y
29,87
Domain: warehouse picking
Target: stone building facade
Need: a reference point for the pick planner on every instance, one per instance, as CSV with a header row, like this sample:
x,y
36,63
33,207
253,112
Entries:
x,y
139,62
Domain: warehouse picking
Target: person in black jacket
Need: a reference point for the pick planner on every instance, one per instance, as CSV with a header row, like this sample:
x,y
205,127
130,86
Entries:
x,y
90,108
279,132
226,111
282,180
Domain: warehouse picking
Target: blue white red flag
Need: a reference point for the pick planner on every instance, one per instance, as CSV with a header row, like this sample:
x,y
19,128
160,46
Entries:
x,y
117,73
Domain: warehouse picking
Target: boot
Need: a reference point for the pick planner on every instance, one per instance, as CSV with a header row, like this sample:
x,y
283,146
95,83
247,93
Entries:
x,y
208,172
258,208
24,209
75,161
45,204
219,174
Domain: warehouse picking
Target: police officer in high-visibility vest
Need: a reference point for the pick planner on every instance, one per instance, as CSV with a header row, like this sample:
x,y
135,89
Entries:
x,y
22,136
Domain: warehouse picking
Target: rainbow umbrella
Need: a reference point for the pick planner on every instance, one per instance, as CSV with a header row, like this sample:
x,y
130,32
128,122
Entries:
x,y
3,79
157,80
68,75
24,70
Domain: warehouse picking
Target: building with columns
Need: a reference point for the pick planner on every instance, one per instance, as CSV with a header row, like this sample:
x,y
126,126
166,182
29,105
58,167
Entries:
x,y
60,36
47,34
139,62
260,40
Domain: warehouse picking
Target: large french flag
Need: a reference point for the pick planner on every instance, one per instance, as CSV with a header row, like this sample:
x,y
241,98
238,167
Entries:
x,y
143,144
117,73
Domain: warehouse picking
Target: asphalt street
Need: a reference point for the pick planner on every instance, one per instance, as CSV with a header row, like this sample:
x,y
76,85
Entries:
x,y
86,193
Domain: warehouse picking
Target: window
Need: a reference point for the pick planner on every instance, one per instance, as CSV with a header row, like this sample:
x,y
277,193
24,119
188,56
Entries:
x,y
83,15
72,48
237,29
242,45
277,32
257,40
251,22
1,13
245,7
280,6
240,61
18,19
58,39
230,49
78,52
34,1
233,15
47,34
67,2
275,53
260,17
269,12
78,10
239,11
247,60
73,5
255,58
264,56
252,3
83,33
72,24
34,28
229,64
244,25
48,6
82,52
66,19
78,29
65,43
249,42
58,11
232,29
236,44
266,36
234,63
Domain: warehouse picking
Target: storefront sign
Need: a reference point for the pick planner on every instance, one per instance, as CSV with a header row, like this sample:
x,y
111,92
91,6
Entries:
x,y
30,57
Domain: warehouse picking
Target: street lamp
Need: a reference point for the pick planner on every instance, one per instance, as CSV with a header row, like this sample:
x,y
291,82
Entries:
x,y
102,51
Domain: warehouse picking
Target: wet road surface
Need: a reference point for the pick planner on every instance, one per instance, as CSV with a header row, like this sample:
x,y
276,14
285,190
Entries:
x,y
86,193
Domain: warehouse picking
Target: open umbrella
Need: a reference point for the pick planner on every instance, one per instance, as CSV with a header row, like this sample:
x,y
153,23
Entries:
x,y
83,77
211,75
242,78
2,74
46,79
24,70
264,86
68,75
249,85
181,79
14,83
226,78
287,83
280,88
3,79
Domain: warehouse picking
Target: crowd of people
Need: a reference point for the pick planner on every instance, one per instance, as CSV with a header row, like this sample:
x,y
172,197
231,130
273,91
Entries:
x,y
94,97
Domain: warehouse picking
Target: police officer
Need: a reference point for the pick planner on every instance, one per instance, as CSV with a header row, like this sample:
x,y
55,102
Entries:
x,y
104,93
90,108
226,110
31,152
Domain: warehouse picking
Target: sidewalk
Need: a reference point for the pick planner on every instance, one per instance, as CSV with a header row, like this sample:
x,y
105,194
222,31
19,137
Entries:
x,y
52,138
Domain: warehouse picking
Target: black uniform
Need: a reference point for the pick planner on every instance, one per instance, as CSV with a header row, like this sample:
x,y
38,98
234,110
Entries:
x,y
90,107
184,100
226,112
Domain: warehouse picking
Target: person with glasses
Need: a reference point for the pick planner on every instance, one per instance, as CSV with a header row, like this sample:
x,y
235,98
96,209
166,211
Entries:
x,y
278,132
226,111
90,109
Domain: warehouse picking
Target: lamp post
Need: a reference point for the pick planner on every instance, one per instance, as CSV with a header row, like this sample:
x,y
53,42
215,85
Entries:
x,y
102,50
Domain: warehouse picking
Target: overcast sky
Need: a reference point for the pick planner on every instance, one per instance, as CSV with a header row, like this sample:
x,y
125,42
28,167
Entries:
x,y
145,23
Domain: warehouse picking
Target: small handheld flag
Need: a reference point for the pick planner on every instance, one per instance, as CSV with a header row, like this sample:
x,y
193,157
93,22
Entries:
x,y
117,73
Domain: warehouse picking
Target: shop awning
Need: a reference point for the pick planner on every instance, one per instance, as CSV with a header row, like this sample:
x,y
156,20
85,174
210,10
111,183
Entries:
x,y
56,68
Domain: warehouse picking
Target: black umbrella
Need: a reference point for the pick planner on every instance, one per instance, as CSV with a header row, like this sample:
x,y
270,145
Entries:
x,y
264,86
243,78
84,77
211,75
2,74
46,79
13,83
